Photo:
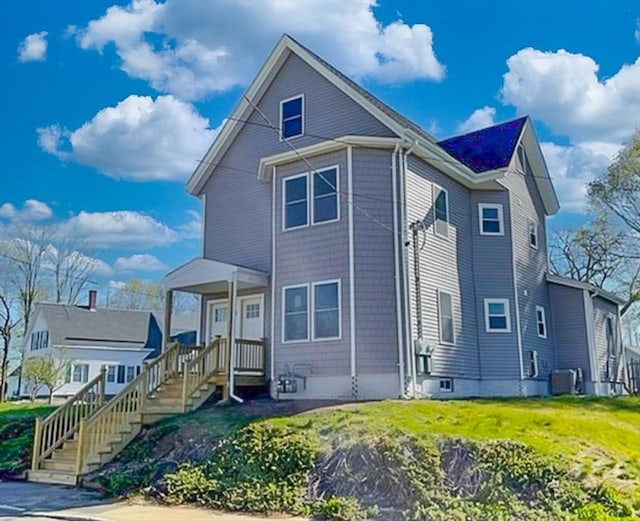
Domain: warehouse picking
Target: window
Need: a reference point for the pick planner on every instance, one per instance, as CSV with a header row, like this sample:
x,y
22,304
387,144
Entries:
x,y
446,385
445,315
252,311
490,219
80,373
533,234
326,310
111,374
441,211
541,322
321,188
131,373
296,314
291,118
220,315
496,315
39,340
533,364
611,349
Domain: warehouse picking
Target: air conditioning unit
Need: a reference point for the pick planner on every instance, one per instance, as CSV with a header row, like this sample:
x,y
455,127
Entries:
x,y
564,381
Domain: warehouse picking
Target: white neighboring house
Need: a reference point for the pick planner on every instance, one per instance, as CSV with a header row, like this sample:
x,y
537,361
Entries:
x,y
92,338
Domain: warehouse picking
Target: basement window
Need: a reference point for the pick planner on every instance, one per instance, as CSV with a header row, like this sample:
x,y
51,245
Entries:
x,y
446,385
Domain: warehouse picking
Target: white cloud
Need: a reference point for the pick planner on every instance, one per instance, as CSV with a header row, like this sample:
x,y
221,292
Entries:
x,y
191,229
32,210
140,262
563,90
97,266
484,117
33,48
122,228
572,167
140,139
191,48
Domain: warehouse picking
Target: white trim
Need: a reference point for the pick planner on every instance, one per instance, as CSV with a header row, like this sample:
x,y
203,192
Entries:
x,y
543,321
207,320
203,220
591,343
533,225
312,298
284,314
302,118
311,197
490,206
507,314
453,319
273,273
352,266
439,189
396,263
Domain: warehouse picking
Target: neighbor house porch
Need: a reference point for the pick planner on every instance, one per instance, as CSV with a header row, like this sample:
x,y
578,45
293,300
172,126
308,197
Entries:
x,y
231,336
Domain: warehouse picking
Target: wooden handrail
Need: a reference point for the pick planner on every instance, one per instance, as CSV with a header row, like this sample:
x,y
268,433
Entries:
x,y
209,361
52,431
109,421
250,355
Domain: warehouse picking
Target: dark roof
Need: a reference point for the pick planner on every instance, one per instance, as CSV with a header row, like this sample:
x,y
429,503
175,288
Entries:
x,y
488,148
78,326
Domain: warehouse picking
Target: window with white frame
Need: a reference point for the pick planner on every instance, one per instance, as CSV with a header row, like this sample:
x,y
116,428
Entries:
x,y
491,221
79,373
296,314
292,117
533,234
319,187
541,322
326,310
496,315
252,311
111,373
440,211
446,385
445,315
39,340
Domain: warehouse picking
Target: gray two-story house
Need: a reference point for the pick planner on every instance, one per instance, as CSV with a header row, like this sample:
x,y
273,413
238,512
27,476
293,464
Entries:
x,y
363,259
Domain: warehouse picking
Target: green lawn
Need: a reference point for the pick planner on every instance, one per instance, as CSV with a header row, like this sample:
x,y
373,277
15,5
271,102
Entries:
x,y
15,409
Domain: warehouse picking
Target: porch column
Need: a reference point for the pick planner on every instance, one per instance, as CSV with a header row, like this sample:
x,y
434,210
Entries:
x,y
168,307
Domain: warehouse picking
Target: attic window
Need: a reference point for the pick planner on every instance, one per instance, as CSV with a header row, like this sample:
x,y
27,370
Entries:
x,y
291,117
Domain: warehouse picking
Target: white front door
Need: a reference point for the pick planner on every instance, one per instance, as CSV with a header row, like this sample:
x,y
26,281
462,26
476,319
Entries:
x,y
217,320
251,323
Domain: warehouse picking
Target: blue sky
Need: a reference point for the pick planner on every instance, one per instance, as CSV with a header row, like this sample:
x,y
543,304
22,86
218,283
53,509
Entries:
x,y
108,105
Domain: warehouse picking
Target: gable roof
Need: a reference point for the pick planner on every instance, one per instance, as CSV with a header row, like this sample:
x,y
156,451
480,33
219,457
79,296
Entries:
x,y
488,148
445,158
578,284
113,328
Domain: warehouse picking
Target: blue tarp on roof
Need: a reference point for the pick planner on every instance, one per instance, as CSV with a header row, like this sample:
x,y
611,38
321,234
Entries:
x,y
487,148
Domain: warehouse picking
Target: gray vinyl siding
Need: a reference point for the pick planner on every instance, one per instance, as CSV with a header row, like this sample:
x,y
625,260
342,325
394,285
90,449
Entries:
x,y
601,309
569,329
238,206
493,276
530,265
375,298
445,264
313,254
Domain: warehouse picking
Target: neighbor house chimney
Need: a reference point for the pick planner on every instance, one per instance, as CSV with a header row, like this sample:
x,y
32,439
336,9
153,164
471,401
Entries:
x,y
93,299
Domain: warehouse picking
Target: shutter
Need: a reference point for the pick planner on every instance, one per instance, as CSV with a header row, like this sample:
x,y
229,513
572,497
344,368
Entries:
x,y
121,370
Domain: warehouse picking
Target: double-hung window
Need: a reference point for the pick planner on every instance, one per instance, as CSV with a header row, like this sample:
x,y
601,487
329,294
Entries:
x,y
292,117
541,322
440,211
497,318
445,315
326,310
111,373
80,373
296,314
311,198
533,234
491,221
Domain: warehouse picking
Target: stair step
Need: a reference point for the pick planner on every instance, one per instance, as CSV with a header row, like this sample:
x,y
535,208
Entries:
x,y
52,476
60,465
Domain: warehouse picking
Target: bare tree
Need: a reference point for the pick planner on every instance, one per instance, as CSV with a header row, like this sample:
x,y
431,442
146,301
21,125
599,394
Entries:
x,y
7,325
71,268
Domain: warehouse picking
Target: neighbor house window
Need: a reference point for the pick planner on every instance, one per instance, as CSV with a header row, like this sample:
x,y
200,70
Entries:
x,y
131,373
441,211
533,234
326,310
292,117
80,373
541,322
319,187
111,374
496,315
491,222
445,315
121,374
39,340
296,314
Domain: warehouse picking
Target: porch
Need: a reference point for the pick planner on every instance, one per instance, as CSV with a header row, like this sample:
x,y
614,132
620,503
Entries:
x,y
231,346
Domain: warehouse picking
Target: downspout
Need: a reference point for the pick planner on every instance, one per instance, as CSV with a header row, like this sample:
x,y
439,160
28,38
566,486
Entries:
x,y
396,231
352,271
516,299
272,343
411,359
232,340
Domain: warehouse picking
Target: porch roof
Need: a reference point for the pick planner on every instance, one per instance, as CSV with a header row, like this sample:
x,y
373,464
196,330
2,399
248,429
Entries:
x,y
204,276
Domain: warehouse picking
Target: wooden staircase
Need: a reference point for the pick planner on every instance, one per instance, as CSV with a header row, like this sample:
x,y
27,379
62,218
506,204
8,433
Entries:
x,y
87,431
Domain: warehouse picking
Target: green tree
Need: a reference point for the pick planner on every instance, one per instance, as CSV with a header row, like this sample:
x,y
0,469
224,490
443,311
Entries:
x,y
46,371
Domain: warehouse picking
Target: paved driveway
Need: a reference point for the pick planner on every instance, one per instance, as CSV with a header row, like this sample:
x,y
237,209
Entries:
x,y
20,497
